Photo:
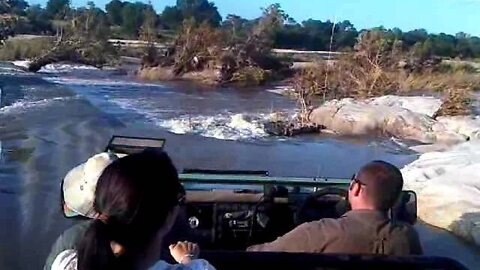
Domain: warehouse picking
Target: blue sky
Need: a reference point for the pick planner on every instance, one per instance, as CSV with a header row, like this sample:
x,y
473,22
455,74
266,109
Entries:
x,y
448,16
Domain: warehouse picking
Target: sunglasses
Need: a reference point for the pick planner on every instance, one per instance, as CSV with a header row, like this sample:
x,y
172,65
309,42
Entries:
x,y
182,196
354,179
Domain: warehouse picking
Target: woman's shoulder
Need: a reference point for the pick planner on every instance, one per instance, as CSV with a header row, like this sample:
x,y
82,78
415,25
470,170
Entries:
x,y
66,260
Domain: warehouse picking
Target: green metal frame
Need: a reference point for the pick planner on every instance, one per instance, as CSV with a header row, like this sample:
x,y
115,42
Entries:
x,y
229,179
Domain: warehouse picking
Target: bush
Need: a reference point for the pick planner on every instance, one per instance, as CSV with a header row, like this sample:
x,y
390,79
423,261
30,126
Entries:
x,y
19,49
250,76
456,102
156,74
436,81
452,67
378,66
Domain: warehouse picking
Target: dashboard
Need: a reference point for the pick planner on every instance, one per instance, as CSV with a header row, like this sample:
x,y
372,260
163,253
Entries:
x,y
233,220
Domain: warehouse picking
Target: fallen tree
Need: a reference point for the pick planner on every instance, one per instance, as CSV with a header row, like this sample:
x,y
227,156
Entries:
x,y
83,39
71,51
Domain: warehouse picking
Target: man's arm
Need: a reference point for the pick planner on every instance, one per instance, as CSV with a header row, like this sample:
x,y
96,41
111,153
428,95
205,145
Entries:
x,y
307,237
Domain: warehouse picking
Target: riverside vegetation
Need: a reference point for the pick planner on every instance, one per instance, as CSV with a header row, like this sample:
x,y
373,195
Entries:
x,y
203,47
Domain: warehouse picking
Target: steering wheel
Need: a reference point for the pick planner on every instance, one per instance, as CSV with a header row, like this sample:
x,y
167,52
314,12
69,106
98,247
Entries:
x,y
329,202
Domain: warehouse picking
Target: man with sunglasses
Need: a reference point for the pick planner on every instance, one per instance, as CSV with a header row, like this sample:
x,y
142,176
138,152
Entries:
x,y
366,229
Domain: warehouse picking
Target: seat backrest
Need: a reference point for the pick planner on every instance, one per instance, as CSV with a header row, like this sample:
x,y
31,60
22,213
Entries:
x,y
299,261
405,209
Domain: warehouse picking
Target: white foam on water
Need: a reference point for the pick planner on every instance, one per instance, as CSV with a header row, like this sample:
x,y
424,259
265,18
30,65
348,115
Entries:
x,y
54,68
24,104
226,126
21,63
281,90
96,82
139,106
13,71
64,68
223,127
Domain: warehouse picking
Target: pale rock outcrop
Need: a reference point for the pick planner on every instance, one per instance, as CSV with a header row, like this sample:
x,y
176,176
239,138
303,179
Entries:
x,y
403,117
448,187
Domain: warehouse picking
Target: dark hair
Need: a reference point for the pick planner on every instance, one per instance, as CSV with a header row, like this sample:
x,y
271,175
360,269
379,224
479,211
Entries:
x,y
384,183
135,194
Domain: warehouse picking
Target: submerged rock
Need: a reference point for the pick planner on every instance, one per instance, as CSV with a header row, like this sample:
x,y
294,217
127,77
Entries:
x,y
289,129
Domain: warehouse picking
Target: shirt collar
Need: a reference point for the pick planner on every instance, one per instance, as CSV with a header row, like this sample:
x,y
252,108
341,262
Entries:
x,y
374,214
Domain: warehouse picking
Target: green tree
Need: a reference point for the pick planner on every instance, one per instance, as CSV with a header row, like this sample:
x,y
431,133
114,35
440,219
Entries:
x,y
132,18
345,35
412,37
114,12
16,7
148,30
37,20
318,34
423,50
57,9
272,20
475,45
443,45
91,23
397,32
172,17
236,27
200,10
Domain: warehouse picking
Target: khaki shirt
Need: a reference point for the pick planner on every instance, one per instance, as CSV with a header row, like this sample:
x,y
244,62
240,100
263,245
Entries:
x,y
356,232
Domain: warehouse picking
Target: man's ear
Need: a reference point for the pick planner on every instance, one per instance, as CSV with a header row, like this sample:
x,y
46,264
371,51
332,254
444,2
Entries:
x,y
355,189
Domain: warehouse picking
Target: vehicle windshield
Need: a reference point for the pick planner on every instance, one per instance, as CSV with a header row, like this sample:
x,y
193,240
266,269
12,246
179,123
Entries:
x,y
259,104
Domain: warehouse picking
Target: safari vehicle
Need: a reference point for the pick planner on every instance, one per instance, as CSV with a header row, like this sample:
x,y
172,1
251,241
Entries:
x,y
227,211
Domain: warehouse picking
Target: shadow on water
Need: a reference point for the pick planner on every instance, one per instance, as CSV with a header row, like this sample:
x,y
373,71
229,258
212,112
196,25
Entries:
x,y
21,155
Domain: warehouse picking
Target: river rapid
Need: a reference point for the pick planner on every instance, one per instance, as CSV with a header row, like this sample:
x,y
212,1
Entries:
x,y
54,120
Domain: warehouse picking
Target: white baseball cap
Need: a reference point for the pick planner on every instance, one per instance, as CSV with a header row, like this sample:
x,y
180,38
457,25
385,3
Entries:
x,y
80,183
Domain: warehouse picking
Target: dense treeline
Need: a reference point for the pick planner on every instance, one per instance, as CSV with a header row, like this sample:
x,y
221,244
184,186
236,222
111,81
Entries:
x,y
125,20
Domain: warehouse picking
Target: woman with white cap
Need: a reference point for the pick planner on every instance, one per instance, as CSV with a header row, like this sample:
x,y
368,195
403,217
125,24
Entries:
x,y
136,202
77,195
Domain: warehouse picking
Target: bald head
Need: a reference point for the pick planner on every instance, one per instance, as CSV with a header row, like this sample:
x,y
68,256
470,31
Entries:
x,y
384,183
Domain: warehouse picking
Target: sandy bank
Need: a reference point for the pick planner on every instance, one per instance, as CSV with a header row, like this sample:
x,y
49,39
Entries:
x,y
206,77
